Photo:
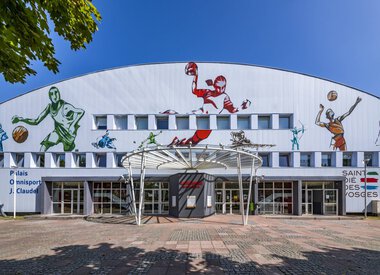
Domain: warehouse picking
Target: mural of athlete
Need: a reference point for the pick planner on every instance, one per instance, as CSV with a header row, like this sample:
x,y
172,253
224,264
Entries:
x,y
209,95
296,138
3,136
104,142
198,136
66,118
151,139
335,125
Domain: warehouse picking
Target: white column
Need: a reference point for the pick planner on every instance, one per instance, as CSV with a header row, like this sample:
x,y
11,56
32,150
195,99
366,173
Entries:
x,y
240,178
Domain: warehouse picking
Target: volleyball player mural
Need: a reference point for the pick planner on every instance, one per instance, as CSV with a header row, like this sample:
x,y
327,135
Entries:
x,y
334,125
66,122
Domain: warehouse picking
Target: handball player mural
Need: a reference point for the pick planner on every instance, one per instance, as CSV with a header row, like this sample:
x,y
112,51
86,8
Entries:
x,y
66,118
3,136
334,125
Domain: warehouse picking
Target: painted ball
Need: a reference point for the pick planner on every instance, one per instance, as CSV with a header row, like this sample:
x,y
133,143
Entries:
x,y
191,68
332,95
20,134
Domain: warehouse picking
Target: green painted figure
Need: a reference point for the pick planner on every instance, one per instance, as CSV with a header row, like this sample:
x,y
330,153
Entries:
x,y
295,139
150,140
66,118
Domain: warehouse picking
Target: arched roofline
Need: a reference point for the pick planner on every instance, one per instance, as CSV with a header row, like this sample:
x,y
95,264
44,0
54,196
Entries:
x,y
202,62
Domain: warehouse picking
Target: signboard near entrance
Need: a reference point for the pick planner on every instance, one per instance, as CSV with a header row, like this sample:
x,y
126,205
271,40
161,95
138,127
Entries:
x,y
191,202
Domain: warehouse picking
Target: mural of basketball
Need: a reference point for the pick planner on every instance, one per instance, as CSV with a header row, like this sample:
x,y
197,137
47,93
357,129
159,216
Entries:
x,y
332,95
20,134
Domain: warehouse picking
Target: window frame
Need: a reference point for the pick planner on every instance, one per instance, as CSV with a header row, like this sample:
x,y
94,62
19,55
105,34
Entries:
x,y
269,122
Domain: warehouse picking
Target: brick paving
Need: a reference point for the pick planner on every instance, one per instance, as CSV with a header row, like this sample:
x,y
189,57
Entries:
x,y
215,245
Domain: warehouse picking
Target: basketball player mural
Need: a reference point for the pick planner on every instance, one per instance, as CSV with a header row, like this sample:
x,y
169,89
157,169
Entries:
x,y
66,118
334,125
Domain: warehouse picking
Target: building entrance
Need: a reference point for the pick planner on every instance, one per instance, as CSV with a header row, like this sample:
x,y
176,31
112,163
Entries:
x,y
67,197
319,198
227,199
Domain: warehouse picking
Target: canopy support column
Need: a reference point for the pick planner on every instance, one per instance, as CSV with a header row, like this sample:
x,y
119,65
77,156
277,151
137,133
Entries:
x,y
241,195
133,191
250,191
142,178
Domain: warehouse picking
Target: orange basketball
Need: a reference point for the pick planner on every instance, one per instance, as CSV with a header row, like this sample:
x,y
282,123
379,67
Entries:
x,y
20,134
332,95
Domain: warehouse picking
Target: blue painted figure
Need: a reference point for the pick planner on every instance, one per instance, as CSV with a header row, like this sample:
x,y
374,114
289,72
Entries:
x,y
3,136
104,142
295,140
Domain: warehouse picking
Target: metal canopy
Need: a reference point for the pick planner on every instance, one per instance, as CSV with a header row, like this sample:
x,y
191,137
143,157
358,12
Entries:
x,y
199,157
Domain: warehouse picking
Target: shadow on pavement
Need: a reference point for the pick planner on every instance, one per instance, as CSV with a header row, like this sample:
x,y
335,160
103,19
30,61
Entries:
x,y
108,259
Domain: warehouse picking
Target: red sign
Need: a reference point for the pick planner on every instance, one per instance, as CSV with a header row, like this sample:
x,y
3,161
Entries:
x,y
191,184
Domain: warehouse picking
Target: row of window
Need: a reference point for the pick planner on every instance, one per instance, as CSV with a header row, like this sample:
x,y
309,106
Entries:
x,y
327,159
274,159
179,122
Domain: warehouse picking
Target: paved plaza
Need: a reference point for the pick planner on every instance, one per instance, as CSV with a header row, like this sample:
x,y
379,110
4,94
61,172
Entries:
x,y
214,245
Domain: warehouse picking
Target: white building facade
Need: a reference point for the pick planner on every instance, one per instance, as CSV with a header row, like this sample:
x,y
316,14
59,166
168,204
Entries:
x,y
65,141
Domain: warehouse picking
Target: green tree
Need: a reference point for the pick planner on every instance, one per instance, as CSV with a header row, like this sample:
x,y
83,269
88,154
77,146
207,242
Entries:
x,y
24,32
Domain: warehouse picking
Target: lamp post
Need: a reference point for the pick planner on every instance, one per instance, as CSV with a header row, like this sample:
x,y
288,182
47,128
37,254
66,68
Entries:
x,y
365,161
14,190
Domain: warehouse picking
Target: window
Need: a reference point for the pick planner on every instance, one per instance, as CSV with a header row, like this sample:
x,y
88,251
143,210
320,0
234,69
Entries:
x,y
266,159
223,122
101,160
119,158
370,157
264,122
40,160
142,122
80,160
285,122
284,160
203,122
60,160
19,160
101,122
162,122
182,122
1,160
347,159
243,122
121,122
326,160
306,160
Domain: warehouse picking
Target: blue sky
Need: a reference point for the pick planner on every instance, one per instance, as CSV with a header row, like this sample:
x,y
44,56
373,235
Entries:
x,y
333,39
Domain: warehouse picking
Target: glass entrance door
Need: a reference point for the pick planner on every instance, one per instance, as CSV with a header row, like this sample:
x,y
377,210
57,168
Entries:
x,y
67,197
331,200
152,201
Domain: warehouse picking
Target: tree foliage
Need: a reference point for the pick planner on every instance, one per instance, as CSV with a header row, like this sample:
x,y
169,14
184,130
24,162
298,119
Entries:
x,y
24,32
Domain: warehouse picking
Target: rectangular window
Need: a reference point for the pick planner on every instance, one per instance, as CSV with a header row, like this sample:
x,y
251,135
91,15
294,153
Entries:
x,y
284,160
101,160
80,160
121,122
182,122
369,156
141,122
244,122
119,158
40,160
60,160
326,160
1,160
203,122
264,122
162,122
101,122
266,159
285,122
223,122
306,160
19,159
347,160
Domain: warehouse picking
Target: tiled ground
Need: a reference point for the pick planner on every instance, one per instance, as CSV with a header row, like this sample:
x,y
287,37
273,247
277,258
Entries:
x,y
214,245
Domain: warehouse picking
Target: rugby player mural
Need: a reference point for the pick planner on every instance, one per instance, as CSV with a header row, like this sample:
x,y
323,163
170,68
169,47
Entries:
x,y
66,122
334,125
